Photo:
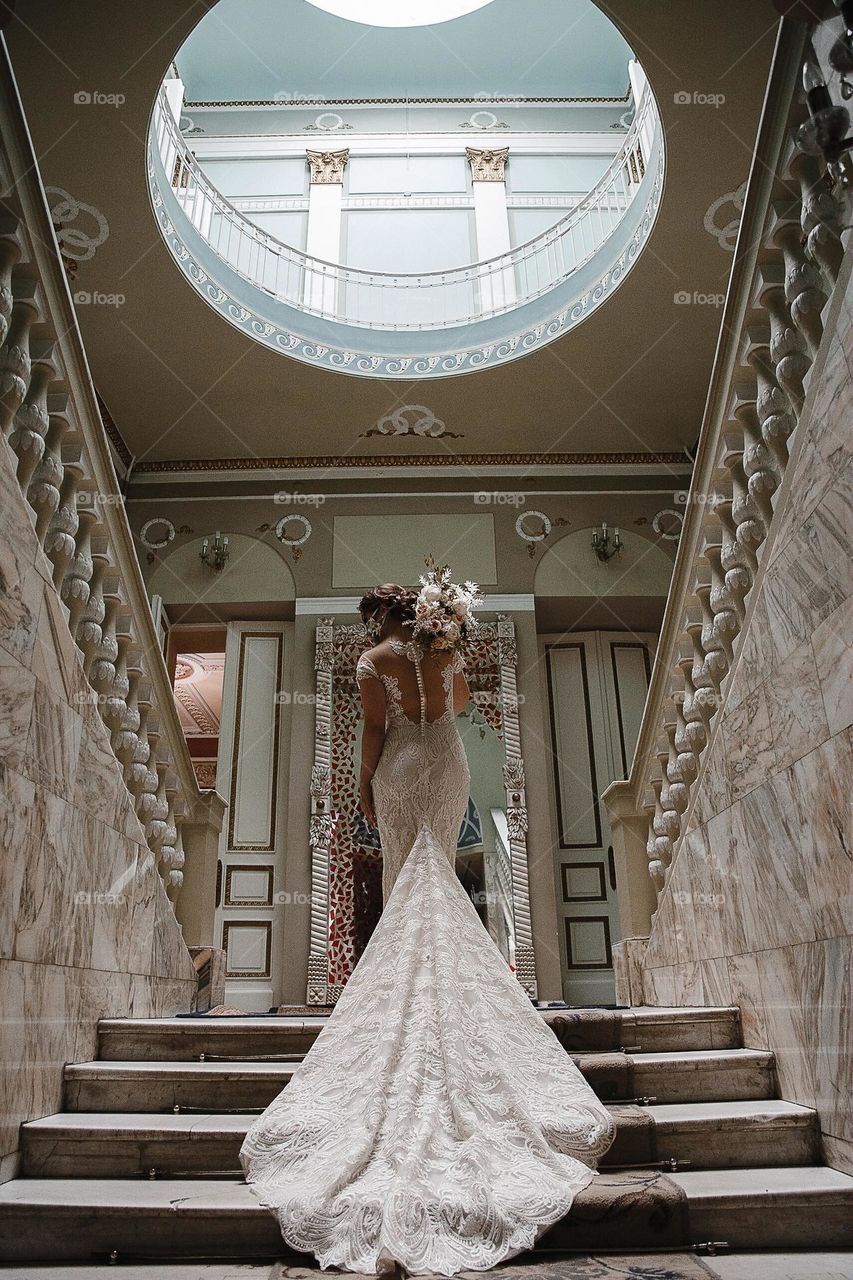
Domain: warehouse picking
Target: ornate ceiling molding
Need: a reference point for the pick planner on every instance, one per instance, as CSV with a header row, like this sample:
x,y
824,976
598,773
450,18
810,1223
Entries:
x,y
349,462
502,99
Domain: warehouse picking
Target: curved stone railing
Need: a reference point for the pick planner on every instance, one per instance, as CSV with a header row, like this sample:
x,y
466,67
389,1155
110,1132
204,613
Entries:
x,y
57,446
786,262
417,301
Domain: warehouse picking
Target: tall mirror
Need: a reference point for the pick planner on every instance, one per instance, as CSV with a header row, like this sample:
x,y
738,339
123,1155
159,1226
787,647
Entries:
x,y
491,855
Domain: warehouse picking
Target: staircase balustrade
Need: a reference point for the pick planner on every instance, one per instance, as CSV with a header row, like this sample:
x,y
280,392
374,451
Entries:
x,y
55,443
786,264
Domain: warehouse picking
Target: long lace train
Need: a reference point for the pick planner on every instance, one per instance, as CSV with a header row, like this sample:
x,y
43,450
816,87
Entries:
x,y
436,1121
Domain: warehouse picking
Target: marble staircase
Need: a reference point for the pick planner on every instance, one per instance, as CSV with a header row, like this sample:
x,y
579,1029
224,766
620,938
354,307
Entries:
x,y
143,1162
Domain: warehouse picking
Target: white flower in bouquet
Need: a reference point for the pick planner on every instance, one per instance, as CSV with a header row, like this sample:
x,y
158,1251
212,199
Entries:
x,y
444,609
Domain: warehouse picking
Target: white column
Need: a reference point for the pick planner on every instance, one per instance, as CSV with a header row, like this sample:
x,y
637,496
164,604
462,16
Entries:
x,y
497,288
175,98
324,227
639,84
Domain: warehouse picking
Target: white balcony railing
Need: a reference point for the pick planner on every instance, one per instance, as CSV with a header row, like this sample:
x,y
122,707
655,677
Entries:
x,y
419,301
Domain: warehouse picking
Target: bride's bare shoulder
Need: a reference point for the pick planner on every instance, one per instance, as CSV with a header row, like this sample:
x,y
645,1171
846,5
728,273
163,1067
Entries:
x,y
378,652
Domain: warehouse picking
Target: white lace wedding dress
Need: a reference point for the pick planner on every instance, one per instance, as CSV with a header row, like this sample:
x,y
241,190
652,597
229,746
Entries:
x,y
436,1122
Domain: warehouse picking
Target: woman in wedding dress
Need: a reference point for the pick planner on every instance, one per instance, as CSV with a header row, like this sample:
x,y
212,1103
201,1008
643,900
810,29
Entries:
x,y
436,1124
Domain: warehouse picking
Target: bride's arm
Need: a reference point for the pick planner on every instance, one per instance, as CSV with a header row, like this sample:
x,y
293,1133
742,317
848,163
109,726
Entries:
x,y
372,741
461,692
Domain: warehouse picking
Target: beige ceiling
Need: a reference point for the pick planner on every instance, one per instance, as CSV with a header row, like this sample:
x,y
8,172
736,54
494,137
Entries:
x,y
182,383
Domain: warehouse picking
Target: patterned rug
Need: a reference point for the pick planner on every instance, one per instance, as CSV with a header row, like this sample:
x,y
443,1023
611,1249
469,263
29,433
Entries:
x,y
643,1266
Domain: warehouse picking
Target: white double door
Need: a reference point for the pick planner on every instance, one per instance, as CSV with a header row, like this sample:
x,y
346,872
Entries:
x,y
596,689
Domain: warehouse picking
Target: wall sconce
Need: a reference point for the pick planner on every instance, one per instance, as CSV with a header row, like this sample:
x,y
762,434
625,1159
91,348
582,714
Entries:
x,y
214,554
823,134
602,546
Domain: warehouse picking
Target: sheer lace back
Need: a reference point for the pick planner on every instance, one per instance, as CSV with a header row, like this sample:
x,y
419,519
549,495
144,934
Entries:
x,y
418,686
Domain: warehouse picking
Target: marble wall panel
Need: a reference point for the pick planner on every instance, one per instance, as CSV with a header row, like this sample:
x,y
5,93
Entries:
x,y
748,744
17,692
795,706
17,795
86,929
746,993
53,742
813,574
771,839
833,655
828,447
820,788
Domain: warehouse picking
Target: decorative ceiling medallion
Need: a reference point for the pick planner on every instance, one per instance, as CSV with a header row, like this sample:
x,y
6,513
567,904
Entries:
x,y
423,423
297,541
726,236
668,524
524,531
157,533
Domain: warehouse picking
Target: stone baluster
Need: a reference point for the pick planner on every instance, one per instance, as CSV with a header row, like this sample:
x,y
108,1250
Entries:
x,y
158,826
804,286
15,362
114,700
694,709
674,795
738,562
681,766
175,877
88,633
716,644
659,845
125,737
75,586
169,856
820,216
775,412
60,541
657,870
749,512
102,669
136,771
725,607
667,822
788,355
31,420
687,747
146,801
43,493
10,255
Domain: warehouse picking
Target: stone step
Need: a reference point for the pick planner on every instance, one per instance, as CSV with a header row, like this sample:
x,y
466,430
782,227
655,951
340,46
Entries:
x,y
66,1219
809,1265
712,1075
702,1135
652,1030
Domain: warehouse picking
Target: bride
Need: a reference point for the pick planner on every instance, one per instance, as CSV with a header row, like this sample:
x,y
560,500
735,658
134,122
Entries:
x,y
436,1124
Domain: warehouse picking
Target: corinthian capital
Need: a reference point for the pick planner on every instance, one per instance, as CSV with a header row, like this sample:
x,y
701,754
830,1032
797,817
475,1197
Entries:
x,y
487,166
327,166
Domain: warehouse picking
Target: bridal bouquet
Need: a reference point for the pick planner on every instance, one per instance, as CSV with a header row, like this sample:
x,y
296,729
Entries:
x,y
443,609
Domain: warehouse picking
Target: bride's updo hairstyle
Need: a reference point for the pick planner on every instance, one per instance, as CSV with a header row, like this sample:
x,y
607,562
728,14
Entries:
x,y
398,602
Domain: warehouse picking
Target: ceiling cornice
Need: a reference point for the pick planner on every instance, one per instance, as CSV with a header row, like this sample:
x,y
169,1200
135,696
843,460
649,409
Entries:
x,y
198,104
444,461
